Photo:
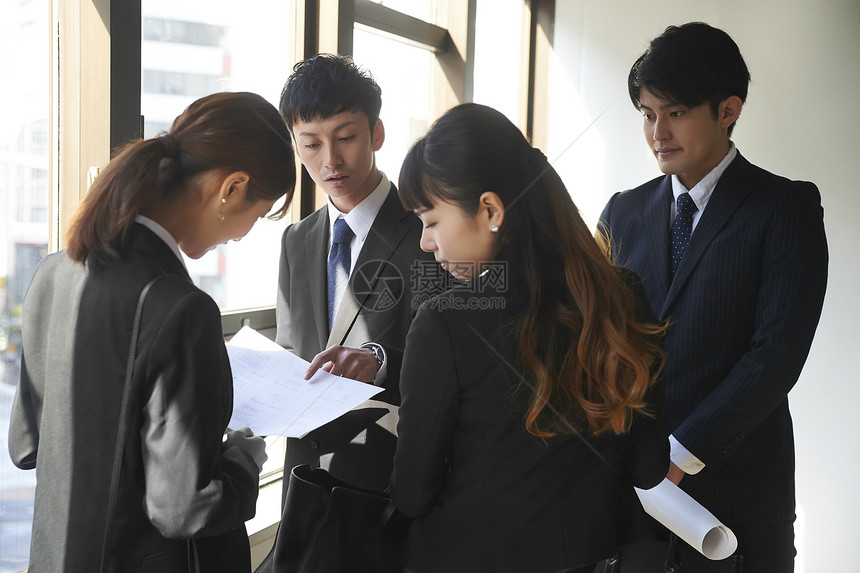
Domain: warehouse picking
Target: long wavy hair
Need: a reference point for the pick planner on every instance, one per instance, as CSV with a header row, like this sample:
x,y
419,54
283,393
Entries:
x,y
229,131
587,359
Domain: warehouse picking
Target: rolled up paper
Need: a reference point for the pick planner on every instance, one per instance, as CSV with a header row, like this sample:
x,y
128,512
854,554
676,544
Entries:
x,y
686,518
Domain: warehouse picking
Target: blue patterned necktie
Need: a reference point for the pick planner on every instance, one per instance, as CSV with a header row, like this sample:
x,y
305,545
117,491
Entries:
x,y
682,227
339,261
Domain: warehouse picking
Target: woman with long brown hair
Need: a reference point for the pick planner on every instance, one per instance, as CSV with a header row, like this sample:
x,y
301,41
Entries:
x,y
133,471
530,400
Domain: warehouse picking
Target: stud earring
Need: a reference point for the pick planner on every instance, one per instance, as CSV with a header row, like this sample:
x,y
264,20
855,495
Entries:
x,y
494,228
223,200
220,216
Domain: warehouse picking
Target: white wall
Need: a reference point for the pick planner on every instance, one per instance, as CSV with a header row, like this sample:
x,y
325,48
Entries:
x,y
801,121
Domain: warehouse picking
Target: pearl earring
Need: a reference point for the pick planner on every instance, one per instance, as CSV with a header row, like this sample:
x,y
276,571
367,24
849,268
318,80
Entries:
x,y
223,200
220,216
494,228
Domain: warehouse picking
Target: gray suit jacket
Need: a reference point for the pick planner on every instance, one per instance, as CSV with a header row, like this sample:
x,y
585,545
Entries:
x,y
383,294
180,490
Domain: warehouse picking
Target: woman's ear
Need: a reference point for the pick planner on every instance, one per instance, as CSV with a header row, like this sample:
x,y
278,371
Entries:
x,y
234,187
491,210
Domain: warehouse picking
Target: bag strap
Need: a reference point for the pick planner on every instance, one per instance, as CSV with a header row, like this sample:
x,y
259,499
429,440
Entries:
x,y
124,415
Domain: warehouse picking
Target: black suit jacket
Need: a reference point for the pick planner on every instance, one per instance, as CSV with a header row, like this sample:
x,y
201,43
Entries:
x,y
378,306
177,480
487,495
743,308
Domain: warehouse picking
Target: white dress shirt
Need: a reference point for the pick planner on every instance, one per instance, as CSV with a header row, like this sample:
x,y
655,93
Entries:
x,y
700,194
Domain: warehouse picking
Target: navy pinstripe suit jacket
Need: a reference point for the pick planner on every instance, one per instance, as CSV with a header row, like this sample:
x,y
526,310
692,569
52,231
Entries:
x,y
743,308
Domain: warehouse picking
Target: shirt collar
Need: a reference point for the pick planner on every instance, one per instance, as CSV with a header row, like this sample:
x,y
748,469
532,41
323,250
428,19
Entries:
x,y
361,217
702,191
162,234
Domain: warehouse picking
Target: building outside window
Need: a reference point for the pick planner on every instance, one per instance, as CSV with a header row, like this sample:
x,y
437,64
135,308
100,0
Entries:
x,y
197,47
24,201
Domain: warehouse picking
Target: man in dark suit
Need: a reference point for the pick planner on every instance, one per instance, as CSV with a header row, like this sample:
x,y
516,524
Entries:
x,y
735,258
345,296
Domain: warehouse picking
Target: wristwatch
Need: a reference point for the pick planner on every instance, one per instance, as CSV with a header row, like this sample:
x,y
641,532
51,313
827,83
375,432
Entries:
x,y
378,353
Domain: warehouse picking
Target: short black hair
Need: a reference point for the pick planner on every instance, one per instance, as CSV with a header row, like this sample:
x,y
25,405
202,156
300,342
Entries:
x,y
326,85
690,65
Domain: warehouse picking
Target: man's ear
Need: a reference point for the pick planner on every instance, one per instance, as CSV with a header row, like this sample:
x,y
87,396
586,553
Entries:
x,y
378,135
729,110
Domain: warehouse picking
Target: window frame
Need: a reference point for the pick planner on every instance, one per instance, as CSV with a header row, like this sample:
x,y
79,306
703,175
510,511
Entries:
x,y
93,70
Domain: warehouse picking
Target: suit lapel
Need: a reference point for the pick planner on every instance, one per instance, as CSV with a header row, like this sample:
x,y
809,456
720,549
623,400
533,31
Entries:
x,y
385,234
729,193
316,249
657,224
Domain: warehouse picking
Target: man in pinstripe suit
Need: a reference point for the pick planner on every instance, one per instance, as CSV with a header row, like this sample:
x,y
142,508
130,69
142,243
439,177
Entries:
x,y
743,294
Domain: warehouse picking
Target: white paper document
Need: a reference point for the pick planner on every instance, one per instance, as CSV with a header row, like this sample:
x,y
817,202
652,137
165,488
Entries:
x,y
686,518
271,396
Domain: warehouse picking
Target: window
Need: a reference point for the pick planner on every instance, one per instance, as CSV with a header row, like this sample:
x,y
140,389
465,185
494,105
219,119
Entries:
x,y
24,196
180,83
500,58
194,48
406,46
32,194
404,74
181,32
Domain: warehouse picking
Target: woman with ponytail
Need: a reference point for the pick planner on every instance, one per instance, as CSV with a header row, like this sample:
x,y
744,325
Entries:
x,y
530,396
134,473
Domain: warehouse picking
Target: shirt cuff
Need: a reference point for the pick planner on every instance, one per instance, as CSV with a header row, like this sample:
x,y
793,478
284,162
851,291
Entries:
x,y
682,458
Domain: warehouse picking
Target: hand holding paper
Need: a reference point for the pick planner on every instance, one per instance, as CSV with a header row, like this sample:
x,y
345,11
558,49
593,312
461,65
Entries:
x,y
271,396
684,516
355,363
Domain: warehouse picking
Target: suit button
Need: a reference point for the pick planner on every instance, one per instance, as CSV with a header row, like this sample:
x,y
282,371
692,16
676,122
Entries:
x,y
315,445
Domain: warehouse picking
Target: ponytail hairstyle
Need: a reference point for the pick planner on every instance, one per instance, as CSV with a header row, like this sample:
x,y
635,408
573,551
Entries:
x,y
588,360
228,131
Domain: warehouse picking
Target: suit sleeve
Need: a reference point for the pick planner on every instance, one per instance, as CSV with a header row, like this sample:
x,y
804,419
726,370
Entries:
x,y
790,296
284,333
604,227
195,485
646,455
24,425
428,414
26,414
